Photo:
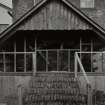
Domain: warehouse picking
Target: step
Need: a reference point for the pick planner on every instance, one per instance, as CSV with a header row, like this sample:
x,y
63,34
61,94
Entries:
x,y
52,78
54,86
35,97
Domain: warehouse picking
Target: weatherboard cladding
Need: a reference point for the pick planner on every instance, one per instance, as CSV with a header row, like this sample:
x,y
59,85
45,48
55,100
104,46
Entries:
x,y
55,16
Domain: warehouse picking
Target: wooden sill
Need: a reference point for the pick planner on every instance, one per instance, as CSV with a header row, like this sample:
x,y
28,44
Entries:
x,y
30,73
93,74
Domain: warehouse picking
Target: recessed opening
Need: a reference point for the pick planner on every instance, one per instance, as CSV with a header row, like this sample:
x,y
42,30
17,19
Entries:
x,y
51,50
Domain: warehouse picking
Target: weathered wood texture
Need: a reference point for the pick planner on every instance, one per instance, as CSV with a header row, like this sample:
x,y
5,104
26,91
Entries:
x,y
97,13
54,16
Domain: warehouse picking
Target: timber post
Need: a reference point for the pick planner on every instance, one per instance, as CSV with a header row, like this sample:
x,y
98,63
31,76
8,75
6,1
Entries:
x,y
89,94
34,55
75,66
20,94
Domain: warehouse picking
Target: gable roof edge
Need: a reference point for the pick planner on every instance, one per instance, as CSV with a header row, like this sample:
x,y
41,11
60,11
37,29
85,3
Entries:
x,y
17,22
69,4
83,15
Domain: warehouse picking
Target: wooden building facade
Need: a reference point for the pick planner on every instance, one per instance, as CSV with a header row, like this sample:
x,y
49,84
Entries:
x,y
38,65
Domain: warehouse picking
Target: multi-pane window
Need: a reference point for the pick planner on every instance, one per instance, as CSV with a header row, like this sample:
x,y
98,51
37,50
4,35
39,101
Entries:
x,y
87,3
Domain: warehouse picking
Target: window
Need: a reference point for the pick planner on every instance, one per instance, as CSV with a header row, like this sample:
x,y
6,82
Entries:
x,y
87,3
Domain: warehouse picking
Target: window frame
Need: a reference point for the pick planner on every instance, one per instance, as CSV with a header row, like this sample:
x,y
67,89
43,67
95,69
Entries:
x,y
85,4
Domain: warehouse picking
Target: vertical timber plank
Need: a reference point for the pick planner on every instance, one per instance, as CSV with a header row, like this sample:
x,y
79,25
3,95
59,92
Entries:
x,y
92,56
20,94
69,60
69,22
50,16
34,56
65,17
89,92
41,20
45,18
58,14
72,21
47,62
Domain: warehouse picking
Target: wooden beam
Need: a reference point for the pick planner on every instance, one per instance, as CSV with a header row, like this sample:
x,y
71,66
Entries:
x,y
82,68
15,56
24,54
91,55
57,60
89,93
34,57
75,66
47,62
69,60
80,47
20,94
